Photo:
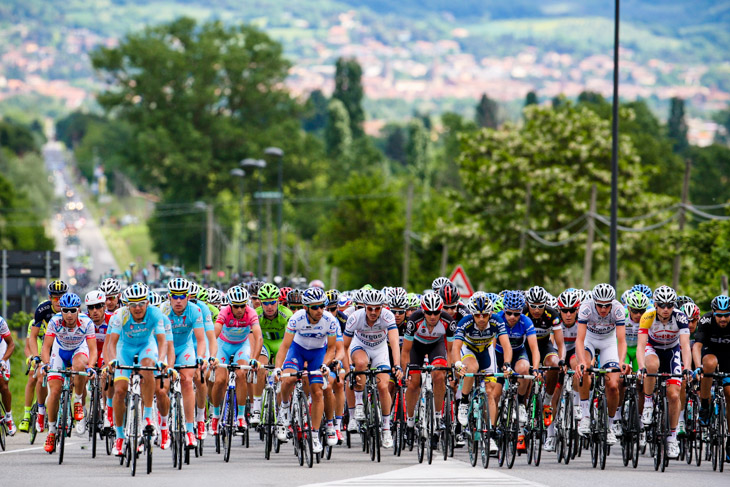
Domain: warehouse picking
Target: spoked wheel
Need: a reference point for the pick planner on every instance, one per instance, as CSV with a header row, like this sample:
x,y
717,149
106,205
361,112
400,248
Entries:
x,y
148,450
594,451
306,428
430,427
420,439
32,429
513,425
65,403
133,453
485,433
698,449
472,442
109,438
228,427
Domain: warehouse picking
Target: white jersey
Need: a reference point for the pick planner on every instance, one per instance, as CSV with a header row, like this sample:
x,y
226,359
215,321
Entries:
x,y
4,329
601,326
570,333
370,336
632,331
71,338
312,336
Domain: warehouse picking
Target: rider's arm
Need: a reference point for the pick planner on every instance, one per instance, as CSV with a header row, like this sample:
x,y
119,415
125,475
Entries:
x,y
11,346
506,348
393,339
329,355
161,341
212,342
686,351
621,336
199,342
32,342
559,342
641,349
111,347
580,347
455,350
93,352
258,340
47,345
284,349
697,354
534,351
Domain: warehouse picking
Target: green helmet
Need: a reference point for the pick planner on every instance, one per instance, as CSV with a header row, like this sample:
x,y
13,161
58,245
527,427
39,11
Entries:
x,y
366,287
268,292
413,301
637,300
203,295
498,305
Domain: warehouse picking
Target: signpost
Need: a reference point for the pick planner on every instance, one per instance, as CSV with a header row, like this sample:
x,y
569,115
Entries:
x,y
25,264
459,278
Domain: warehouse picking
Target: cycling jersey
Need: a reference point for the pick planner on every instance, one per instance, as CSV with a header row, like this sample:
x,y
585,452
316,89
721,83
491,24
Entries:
x,y
236,331
4,330
417,329
183,325
137,334
274,329
101,331
43,314
570,333
600,326
475,339
661,335
71,338
312,336
715,340
370,336
517,334
548,321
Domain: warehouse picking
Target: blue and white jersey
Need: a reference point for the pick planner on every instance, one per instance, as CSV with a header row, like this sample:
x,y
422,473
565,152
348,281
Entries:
x,y
137,334
517,334
312,336
476,339
184,324
370,336
71,338
601,326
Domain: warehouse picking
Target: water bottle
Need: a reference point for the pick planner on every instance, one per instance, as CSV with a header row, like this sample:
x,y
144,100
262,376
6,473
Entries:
x,y
688,412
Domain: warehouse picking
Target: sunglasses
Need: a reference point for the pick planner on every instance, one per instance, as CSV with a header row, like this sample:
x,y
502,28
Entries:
x,y
512,313
69,310
636,310
481,315
238,306
398,311
332,309
569,310
295,307
373,309
315,307
665,305
95,306
431,313
603,305
451,307
537,306
359,306
269,303
721,315
137,305
178,296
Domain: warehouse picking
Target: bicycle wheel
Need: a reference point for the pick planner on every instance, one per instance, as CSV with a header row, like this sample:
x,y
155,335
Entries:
x,y
376,422
297,427
109,441
94,410
485,432
604,431
446,434
64,408
135,435
399,425
268,415
502,432
594,437
148,450
569,431
657,439
179,432
306,422
2,428
635,425
472,426
430,426
228,425
32,430
513,426
539,435
420,429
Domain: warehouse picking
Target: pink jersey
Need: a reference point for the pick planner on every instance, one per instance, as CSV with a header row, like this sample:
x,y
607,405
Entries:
x,y
236,331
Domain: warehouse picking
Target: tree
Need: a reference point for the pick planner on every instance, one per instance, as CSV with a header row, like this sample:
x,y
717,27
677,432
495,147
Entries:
x,y
486,112
723,119
21,227
708,250
395,143
338,137
710,183
315,115
559,155
417,149
677,125
348,89
16,137
531,99
72,128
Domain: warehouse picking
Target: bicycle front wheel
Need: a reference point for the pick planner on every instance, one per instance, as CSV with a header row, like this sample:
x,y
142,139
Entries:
x,y
135,435
306,425
63,424
430,426
485,432
512,428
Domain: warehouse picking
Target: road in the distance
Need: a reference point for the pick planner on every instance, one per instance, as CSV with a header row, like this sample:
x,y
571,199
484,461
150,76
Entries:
x,y
352,468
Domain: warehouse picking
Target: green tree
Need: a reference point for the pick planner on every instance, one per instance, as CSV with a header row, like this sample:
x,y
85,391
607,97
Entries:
x,y
723,119
338,137
707,252
710,177
348,89
417,150
531,99
486,112
72,128
677,125
315,112
395,143
16,137
21,227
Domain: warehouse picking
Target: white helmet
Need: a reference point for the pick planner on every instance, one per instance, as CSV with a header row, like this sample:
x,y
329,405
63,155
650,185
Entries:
x,y
604,292
94,297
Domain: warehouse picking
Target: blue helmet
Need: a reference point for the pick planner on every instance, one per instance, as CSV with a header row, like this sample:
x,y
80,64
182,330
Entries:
x,y
313,295
643,288
480,303
720,303
69,300
514,300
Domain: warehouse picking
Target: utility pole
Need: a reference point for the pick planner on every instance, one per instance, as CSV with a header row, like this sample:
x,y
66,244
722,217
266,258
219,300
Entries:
x,y
613,257
588,261
269,244
677,264
407,236
523,234
209,234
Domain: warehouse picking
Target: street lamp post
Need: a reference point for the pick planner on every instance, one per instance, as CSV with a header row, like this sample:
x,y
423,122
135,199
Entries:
x,y
240,173
614,158
279,154
259,164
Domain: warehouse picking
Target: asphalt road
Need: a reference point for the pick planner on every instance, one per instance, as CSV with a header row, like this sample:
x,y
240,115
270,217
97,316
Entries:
x,y
348,467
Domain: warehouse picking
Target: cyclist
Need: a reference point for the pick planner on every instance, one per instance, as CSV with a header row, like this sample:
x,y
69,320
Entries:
x,y
429,331
473,351
294,300
36,333
201,387
94,301
601,328
112,290
310,338
663,346
7,345
186,321
273,318
413,302
568,305
239,335
636,305
368,334
70,341
712,350
546,321
452,305
253,291
136,329
334,395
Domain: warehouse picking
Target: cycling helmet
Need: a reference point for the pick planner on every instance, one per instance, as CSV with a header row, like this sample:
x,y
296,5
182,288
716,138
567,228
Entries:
x,y
480,303
691,310
214,296
387,292
413,301
536,295
136,292
238,295
514,300
569,299
294,297
720,303
637,300
110,286
373,297
357,296
624,295
57,288
317,283
665,294
269,292
398,302
193,289
333,295
283,292
313,295
682,300
450,294
398,291
498,304
582,295
253,288
203,295
643,288
155,299
344,300
438,282
70,300
179,285
552,301
432,302
604,292
94,297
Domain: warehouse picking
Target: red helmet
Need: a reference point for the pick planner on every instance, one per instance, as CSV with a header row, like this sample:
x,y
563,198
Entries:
x,y
450,294
283,293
